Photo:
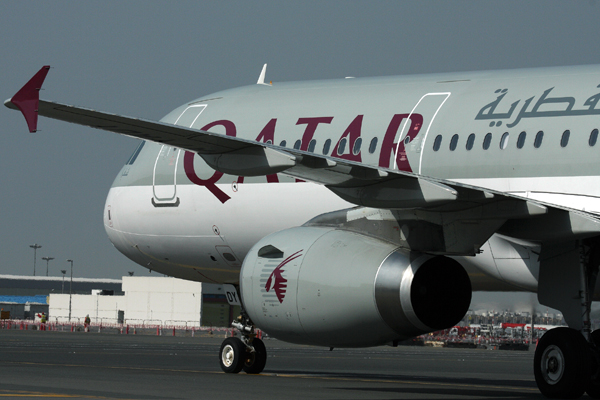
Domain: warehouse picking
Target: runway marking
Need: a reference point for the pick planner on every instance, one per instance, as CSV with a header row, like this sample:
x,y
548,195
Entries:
x,y
408,359
112,367
22,393
404,382
301,376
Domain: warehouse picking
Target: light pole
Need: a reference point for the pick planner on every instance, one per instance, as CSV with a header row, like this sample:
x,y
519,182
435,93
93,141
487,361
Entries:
x,y
35,247
70,288
47,262
63,271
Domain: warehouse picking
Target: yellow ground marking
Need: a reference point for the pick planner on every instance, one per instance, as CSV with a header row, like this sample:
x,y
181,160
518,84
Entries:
x,y
301,376
26,394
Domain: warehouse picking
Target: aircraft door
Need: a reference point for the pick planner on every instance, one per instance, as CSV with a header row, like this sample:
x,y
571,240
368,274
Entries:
x,y
414,131
164,181
189,116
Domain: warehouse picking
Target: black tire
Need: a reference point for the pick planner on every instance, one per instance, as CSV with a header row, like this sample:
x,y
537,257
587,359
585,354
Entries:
x,y
593,389
562,364
255,362
232,354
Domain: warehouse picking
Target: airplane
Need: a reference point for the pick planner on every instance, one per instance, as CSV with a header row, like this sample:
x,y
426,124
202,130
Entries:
x,y
363,211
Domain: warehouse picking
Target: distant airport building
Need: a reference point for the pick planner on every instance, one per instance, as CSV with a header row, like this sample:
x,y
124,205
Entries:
x,y
22,307
148,301
21,297
20,285
130,300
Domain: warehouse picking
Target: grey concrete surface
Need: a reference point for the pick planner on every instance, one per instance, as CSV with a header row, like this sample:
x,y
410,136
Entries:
x,y
61,365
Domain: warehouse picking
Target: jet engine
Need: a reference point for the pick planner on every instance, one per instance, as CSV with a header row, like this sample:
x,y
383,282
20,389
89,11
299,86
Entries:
x,y
329,287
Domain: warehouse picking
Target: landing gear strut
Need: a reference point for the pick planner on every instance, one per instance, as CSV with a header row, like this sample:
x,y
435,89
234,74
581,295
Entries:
x,y
567,360
248,353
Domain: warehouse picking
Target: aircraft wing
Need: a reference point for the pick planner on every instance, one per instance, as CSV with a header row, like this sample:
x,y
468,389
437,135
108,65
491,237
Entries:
x,y
27,101
442,216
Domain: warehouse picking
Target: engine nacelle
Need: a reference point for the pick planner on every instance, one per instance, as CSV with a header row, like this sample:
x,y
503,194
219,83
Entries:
x,y
336,288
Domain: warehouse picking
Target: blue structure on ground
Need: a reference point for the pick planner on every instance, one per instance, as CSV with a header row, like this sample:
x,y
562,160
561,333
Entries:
x,y
41,299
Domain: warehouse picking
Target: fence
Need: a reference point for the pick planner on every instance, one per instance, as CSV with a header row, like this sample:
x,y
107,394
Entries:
x,y
144,327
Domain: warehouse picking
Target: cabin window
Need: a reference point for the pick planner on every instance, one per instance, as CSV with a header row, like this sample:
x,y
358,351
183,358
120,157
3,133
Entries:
x,y
453,142
283,143
538,139
564,140
373,145
311,145
593,137
342,146
326,146
487,140
470,141
356,148
437,142
504,140
521,140
297,144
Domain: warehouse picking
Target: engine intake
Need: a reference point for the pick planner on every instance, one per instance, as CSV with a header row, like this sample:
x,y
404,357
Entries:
x,y
330,287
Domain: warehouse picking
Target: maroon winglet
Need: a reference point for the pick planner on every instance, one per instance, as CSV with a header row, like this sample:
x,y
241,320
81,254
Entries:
x,y
28,98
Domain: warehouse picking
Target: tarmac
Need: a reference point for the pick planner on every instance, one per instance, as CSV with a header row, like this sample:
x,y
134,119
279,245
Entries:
x,y
78,365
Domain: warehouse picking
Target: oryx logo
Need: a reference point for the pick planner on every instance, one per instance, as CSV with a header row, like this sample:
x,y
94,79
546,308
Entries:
x,y
276,280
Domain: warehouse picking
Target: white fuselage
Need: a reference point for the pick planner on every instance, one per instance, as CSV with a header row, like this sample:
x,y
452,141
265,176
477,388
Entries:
x,y
172,213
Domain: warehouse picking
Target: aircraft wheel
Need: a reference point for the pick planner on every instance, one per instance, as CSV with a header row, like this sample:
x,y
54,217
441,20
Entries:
x,y
593,389
562,364
232,354
255,362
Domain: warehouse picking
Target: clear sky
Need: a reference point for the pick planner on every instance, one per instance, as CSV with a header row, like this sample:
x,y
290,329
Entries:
x,y
144,58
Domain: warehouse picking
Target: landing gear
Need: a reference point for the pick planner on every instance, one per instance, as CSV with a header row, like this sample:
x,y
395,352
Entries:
x,y
232,355
235,355
562,364
255,361
567,360
593,388
248,353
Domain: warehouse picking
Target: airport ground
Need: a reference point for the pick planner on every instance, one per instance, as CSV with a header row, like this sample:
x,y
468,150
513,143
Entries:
x,y
73,365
